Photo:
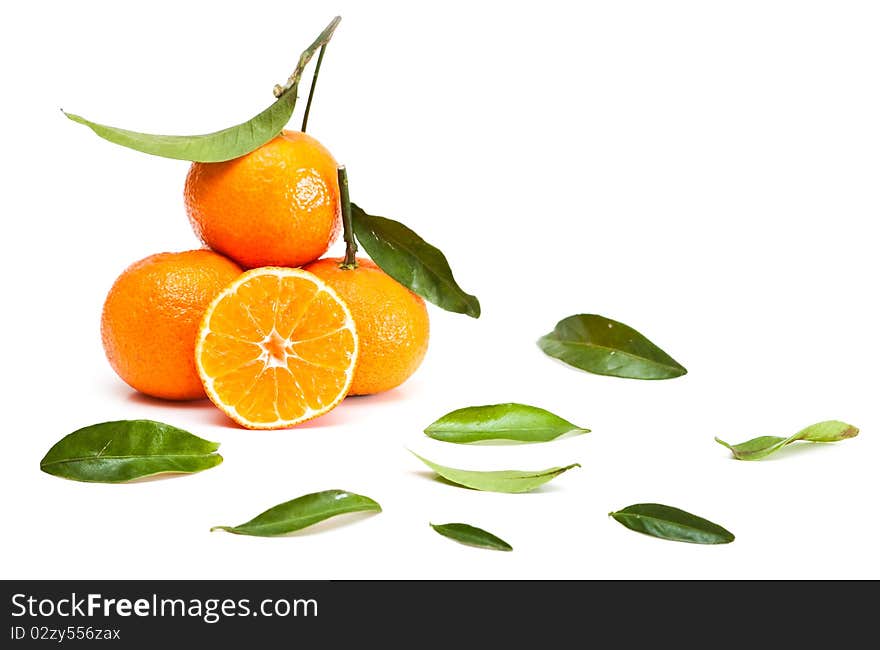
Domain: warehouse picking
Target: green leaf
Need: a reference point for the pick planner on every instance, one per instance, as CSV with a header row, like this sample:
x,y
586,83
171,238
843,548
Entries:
x,y
211,147
303,512
510,481
412,261
670,523
519,422
115,452
472,536
221,145
827,431
605,347
756,448
763,446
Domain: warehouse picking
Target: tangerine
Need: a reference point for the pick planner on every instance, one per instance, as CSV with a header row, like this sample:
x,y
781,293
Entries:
x,y
391,321
275,348
276,206
151,317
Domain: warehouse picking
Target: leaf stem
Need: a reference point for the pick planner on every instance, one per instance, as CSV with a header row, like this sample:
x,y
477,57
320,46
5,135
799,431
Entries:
x,y
312,88
350,261
322,40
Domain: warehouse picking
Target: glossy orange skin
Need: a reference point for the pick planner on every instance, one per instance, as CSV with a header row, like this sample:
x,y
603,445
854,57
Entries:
x,y
276,206
151,318
391,322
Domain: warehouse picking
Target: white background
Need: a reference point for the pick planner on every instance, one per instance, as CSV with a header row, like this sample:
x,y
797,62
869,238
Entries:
x,y
703,171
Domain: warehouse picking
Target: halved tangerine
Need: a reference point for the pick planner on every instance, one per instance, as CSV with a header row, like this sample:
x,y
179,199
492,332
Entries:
x,y
275,348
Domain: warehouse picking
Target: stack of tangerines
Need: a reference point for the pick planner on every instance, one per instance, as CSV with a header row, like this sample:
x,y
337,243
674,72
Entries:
x,y
285,341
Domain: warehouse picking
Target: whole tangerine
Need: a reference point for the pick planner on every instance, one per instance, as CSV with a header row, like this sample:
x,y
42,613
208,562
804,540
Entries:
x,y
151,318
276,206
391,323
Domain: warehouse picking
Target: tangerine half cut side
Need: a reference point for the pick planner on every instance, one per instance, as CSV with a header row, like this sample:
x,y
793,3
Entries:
x,y
275,348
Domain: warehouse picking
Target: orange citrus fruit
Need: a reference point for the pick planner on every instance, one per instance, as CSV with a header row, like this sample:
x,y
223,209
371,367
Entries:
x,y
151,317
275,348
276,206
391,321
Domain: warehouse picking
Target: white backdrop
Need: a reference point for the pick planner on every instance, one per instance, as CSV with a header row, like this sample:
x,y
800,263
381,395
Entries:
x,y
705,172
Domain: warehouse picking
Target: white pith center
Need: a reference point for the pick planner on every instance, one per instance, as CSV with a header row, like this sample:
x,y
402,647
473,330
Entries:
x,y
275,350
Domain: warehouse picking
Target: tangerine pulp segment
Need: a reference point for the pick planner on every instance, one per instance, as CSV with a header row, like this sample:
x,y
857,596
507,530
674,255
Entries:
x,y
276,347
